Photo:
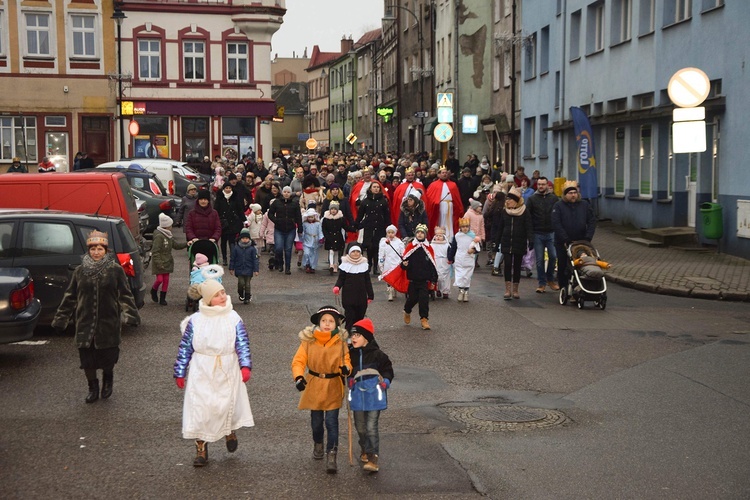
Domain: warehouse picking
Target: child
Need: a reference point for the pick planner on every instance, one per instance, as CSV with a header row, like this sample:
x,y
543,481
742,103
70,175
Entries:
x,y
246,266
476,223
461,254
372,374
312,235
267,229
216,402
254,222
419,263
590,267
354,278
389,255
440,246
333,225
323,352
162,262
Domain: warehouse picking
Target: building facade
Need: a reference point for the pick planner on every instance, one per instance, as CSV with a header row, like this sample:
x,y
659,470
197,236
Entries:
x,y
317,82
342,77
365,50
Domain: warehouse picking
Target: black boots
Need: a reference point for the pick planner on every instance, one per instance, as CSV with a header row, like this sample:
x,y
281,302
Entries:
x,y
153,295
93,391
162,298
107,385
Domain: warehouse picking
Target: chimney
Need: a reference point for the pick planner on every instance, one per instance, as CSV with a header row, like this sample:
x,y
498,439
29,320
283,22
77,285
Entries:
x,y
346,45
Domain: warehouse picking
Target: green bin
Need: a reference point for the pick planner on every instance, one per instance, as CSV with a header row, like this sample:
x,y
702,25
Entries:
x,y
713,226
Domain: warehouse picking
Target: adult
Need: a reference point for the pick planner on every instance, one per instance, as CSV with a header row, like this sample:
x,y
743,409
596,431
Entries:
x,y
297,182
341,174
453,165
86,161
240,189
17,166
573,219
373,217
204,167
335,193
202,222
412,214
519,176
443,204
263,194
287,218
77,161
188,203
231,211
513,231
282,178
360,189
97,295
46,166
472,162
467,184
540,206
404,189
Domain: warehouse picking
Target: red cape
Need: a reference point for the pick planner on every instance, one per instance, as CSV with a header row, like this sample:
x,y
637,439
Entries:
x,y
396,277
398,198
432,204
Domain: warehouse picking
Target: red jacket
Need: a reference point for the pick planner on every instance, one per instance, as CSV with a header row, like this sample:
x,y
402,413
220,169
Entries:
x,y
203,224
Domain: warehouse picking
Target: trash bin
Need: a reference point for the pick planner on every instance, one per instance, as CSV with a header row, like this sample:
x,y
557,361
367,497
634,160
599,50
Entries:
x,y
713,224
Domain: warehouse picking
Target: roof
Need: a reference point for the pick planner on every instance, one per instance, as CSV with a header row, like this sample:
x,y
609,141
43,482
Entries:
x,y
368,38
319,58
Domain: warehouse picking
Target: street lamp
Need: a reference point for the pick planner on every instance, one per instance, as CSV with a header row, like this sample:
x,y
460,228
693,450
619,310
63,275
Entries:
x,y
119,16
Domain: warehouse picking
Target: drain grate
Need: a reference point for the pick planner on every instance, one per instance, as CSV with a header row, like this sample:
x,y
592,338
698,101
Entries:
x,y
504,417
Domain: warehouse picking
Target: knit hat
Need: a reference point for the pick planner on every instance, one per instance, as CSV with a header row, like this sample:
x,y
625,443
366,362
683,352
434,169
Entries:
x,y
165,221
569,185
245,233
474,203
515,195
391,228
439,230
254,207
231,177
204,195
365,328
97,238
315,318
497,187
286,189
334,204
200,259
208,289
310,212
191,186
333,185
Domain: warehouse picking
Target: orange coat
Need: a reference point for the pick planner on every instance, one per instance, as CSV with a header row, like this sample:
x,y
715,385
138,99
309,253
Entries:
x,y
322,353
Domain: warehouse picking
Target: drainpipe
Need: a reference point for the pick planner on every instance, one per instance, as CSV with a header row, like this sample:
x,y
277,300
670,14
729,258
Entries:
x,y
512,166
559,167
456,48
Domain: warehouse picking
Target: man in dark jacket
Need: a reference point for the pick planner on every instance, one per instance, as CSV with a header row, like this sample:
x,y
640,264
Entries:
x,y
467,184
573,219
286,217
540,205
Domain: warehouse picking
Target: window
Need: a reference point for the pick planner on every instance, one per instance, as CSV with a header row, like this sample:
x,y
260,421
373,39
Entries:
x,y
84,35
575,35
530,59
2,33
543,124
617,106
448,73
55,121
619,180
6,231
506,7
46,238
149,59
194,59
37,35
621,11
544,51
670,168
16,133
643,101
506,69
711,4
712,132
557,89
645,161
529,143
237,62
676,11
496,72
646,17
595,28
406,76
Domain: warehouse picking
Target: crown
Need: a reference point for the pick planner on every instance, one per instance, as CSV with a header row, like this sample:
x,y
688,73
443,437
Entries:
x,y
421,227
97,238
464,222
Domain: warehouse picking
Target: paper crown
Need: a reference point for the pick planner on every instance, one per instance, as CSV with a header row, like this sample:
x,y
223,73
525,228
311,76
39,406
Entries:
x,y
464,222
97,238
421,227
439,230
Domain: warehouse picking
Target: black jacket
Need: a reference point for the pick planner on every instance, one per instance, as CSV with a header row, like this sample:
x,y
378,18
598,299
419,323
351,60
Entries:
x,y
370,356
231,212
420,267
356,288
513,233
540,206
573,221
285,214
373,215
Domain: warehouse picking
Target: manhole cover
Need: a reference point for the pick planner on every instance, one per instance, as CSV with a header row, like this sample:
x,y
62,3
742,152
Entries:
x,y
504,417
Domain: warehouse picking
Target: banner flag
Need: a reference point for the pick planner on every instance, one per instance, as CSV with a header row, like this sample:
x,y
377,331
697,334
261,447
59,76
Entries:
x,y
587,171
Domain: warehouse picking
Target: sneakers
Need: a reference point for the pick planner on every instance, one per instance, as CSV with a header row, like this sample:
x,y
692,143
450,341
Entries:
x,y
287,272
407,317
232,442
372,463
553,285
461,295
496,271
466,295
540,289
318,451
425,324
241,296
201,453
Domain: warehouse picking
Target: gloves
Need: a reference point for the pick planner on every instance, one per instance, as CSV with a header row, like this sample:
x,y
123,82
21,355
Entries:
x,y
245,374
336,290
300,383
344,370
385,384
369,301
180,381
351,383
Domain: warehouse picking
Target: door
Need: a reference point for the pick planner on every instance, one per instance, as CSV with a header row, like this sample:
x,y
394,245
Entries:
x,y
95,138
57,150
692,188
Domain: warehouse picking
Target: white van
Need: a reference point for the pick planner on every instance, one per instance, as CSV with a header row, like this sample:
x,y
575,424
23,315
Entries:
x,y
162,167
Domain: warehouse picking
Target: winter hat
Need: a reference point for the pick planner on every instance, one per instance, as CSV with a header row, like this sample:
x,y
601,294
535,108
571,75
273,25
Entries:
x,y
200,259
333,204
514,194
497,187
391,228
352,248
510,178
231,177
569,185
165,221
330,178
191,186
315,318
474,203
204,195
397,175
466,170
439,230
416,194
485,164
420,227
97,238
245,233
286,189
208,289
254,207
333,185
365,328
310,212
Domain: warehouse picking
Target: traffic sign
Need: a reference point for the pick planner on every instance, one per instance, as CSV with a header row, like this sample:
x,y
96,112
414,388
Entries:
x,y
688,87
445,115
443,132
444,100
421,114
470,124
311,143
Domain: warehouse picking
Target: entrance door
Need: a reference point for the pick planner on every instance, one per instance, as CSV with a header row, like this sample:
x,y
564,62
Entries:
x,y
692,188
95,138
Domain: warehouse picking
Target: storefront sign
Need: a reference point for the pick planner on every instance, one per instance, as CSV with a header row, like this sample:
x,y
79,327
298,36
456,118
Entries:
x,y
385,112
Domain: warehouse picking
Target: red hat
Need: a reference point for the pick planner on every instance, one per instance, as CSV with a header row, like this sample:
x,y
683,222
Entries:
x,y
365,328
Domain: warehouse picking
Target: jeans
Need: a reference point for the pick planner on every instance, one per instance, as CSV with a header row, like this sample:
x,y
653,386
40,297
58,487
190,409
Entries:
x,y
562,266
331,425
366,423
283,243
542,241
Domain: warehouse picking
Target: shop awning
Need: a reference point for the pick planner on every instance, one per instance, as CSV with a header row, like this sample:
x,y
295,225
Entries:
x,y
211,108
429,125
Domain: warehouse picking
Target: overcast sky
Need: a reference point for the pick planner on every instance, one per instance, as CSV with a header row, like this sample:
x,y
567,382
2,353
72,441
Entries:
x,y
323,22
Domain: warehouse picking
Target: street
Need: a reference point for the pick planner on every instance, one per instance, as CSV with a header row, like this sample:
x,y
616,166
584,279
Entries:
x,y
647,399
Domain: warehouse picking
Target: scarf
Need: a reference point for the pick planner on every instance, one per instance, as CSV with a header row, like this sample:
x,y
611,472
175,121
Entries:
x,y
244,245
227,195
515,212
92,267
348,258
165,232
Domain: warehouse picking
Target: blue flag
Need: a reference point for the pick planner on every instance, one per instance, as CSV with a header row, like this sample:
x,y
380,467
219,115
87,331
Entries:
x,y
587,176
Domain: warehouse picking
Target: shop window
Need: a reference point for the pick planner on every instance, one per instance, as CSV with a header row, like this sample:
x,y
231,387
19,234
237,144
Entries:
x,y
152,140
238,137
18,138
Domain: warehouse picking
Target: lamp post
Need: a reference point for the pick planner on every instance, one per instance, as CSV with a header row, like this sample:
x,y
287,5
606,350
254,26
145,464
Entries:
x,y
119,16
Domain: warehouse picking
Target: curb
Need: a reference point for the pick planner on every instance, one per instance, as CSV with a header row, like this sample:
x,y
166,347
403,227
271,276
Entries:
x,y
680,292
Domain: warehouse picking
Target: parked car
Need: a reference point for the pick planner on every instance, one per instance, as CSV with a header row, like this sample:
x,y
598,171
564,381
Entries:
x,y
161,167
190,173
50,243
143,216
154,205
19,309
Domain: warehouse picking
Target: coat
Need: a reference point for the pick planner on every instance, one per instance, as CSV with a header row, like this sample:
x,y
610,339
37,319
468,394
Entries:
x,y
365,395
244,261
285,215
389,253
162,260
573,221
203,224
373,216
97,301
323,353
267,229
408,220
231,213
355,283
333,225
463,261
513,233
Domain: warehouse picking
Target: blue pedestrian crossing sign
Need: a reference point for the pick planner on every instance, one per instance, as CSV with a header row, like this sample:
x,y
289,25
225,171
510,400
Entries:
x,y
445,100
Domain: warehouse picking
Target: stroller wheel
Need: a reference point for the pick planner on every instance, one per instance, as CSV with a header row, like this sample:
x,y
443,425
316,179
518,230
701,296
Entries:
x,y
563,295
602,303
580,303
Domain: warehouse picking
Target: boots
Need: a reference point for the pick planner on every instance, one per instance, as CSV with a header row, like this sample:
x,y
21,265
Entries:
x,y
460,295
153,295
318,451
425,324
162,298
496,271
407,318
232,442
201,453
363,456
506,295
93,391
372,463
515,291
331,466
391,293
107,385
466,295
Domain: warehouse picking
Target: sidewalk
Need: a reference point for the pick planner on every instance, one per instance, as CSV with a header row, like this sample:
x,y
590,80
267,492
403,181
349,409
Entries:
x,y
669,271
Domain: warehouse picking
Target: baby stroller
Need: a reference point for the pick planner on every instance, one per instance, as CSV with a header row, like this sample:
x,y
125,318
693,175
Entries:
x,y
211,251
583,284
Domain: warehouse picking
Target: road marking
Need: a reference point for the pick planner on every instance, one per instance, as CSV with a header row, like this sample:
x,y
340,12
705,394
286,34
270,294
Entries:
x,y
32,342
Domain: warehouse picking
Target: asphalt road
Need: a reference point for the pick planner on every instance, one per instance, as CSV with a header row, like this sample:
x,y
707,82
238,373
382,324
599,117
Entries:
x,y
647,399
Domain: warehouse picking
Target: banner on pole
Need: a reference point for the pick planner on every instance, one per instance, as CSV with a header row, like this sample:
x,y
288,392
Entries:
x,y
586,157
